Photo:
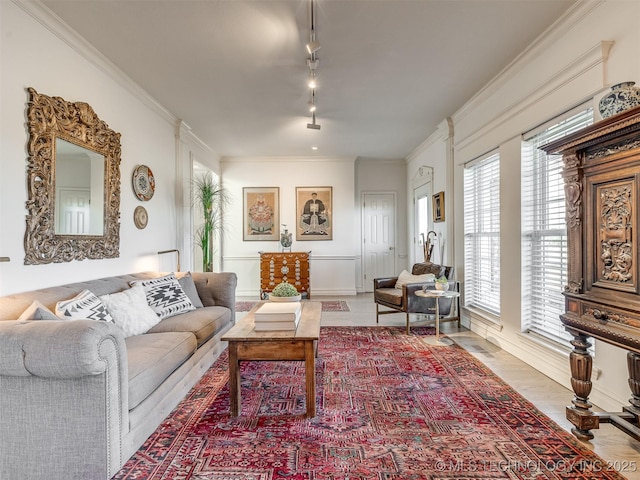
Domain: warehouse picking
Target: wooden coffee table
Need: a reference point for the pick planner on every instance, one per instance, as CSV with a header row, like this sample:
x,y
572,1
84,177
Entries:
x,y
247,344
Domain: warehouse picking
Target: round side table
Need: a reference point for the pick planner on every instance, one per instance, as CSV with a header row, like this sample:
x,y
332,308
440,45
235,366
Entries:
x,y
437,295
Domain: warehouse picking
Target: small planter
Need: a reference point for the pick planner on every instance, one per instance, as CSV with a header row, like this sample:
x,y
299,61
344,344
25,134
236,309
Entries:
x,y
295,298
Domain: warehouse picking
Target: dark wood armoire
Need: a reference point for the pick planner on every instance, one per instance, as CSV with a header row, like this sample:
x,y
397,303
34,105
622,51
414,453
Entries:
x,y
292,267
602,298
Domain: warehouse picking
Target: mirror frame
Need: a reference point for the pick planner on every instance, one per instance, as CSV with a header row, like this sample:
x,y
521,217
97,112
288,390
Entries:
x,y
75,122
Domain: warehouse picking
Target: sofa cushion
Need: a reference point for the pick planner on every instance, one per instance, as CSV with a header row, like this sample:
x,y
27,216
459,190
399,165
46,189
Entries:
x,y
204,323
389,295
152,358
166,296
130,310
85,305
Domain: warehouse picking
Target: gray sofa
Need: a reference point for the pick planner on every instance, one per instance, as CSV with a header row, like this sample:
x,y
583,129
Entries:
x,y
77,398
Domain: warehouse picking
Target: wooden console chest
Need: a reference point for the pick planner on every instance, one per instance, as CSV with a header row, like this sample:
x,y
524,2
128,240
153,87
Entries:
x,y
602,299
277,267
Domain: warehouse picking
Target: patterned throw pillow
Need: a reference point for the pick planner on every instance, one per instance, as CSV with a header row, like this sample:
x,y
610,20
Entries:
x,y
130,310
83,305
165,296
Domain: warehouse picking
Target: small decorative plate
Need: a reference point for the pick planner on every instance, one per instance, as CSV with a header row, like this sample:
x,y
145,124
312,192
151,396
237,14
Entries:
x,y
140,217
144,185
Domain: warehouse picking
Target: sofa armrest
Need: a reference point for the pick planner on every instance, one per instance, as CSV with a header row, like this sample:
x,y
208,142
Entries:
x,y
59,349
386,282
217,288
63,388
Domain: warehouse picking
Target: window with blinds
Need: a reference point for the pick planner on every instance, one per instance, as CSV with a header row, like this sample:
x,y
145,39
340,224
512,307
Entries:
x,y
482,234
544,232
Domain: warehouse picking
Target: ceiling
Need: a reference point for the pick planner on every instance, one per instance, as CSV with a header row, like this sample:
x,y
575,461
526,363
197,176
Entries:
x,y
235,70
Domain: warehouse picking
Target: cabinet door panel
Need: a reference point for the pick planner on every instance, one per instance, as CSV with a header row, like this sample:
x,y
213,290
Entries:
x,y
612,250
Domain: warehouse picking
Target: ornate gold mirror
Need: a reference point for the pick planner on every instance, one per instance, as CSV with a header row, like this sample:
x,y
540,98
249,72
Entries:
x,y
73,178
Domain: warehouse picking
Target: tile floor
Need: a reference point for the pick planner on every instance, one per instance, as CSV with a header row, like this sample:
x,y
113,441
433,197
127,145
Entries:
x,y
613,446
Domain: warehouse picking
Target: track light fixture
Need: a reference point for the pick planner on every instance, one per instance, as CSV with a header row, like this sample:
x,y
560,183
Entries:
x,y
313,125
312,82
313,46
312,62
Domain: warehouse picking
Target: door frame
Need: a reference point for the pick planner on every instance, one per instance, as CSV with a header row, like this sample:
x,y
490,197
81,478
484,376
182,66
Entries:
x,y
363,194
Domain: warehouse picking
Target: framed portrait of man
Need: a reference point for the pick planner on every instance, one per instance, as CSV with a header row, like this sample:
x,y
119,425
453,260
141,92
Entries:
x,y
261,213
314,213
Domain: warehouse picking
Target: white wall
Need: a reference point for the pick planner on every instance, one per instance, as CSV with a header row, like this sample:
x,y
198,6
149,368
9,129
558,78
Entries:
x,y
382,176
333,262
572,63
32,55
435,153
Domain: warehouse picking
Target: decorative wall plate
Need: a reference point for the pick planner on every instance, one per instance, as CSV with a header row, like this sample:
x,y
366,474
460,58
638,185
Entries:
x,y
140,217
144,185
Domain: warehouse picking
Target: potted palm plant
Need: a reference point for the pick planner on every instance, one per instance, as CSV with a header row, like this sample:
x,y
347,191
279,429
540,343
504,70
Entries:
x,y
211,197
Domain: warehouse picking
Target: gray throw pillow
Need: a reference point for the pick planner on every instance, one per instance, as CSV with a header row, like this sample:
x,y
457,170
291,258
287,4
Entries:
x,y
37,311
189,287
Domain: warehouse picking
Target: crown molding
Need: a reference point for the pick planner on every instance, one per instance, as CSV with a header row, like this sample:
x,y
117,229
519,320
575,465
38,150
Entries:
x,y
288,159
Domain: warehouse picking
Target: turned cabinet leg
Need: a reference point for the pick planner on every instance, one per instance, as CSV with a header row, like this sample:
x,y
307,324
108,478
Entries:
x,y
580,413
633,364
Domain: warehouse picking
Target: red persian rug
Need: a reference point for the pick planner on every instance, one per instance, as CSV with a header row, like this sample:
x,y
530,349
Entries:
x,y
390,407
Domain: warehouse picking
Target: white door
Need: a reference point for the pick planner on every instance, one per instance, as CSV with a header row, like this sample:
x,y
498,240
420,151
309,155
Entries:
x,y
379,250
423,222
74,207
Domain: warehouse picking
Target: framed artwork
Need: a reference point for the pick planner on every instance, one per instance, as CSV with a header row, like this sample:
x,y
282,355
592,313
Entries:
x,y
261,213
438,207
314,213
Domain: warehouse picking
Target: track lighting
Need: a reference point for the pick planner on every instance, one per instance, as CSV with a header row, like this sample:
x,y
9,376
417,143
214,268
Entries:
x,y
313,46
312,62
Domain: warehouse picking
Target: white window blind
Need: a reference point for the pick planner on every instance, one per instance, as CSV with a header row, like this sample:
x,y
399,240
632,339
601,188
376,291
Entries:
x,y
482,234
544,232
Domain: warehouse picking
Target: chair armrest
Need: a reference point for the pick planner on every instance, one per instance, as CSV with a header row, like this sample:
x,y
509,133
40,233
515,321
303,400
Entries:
x,y
385,282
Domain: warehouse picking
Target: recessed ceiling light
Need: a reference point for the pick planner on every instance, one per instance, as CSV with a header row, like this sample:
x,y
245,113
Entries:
x,y
314,148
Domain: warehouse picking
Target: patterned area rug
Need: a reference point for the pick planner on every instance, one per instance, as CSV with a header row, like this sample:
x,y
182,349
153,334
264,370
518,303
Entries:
x,y
389,407
327,306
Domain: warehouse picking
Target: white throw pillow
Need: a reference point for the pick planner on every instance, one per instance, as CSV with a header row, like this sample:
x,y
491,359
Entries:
x,y
37,311
406,277
84,305
165,296
130,310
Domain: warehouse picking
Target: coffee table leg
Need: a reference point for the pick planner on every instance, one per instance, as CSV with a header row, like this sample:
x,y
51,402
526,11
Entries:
x,y
310,371
234,379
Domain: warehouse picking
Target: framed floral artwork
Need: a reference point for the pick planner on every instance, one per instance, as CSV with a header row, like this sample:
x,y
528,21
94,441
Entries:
x,y
314,213
261,213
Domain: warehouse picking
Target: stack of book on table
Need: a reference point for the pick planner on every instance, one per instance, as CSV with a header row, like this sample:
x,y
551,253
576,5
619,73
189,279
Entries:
x,y
277,316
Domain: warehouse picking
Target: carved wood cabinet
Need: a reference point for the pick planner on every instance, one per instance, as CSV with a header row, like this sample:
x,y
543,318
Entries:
x,y
602,298
277,267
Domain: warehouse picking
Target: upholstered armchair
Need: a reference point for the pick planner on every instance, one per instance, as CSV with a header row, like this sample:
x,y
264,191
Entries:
x,y
404,298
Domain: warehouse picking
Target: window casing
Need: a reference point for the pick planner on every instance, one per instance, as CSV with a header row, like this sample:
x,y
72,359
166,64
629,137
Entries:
x,y
544,232
482,234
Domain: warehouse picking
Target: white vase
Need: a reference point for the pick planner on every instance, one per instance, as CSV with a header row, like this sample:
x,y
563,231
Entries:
x,y
295,298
